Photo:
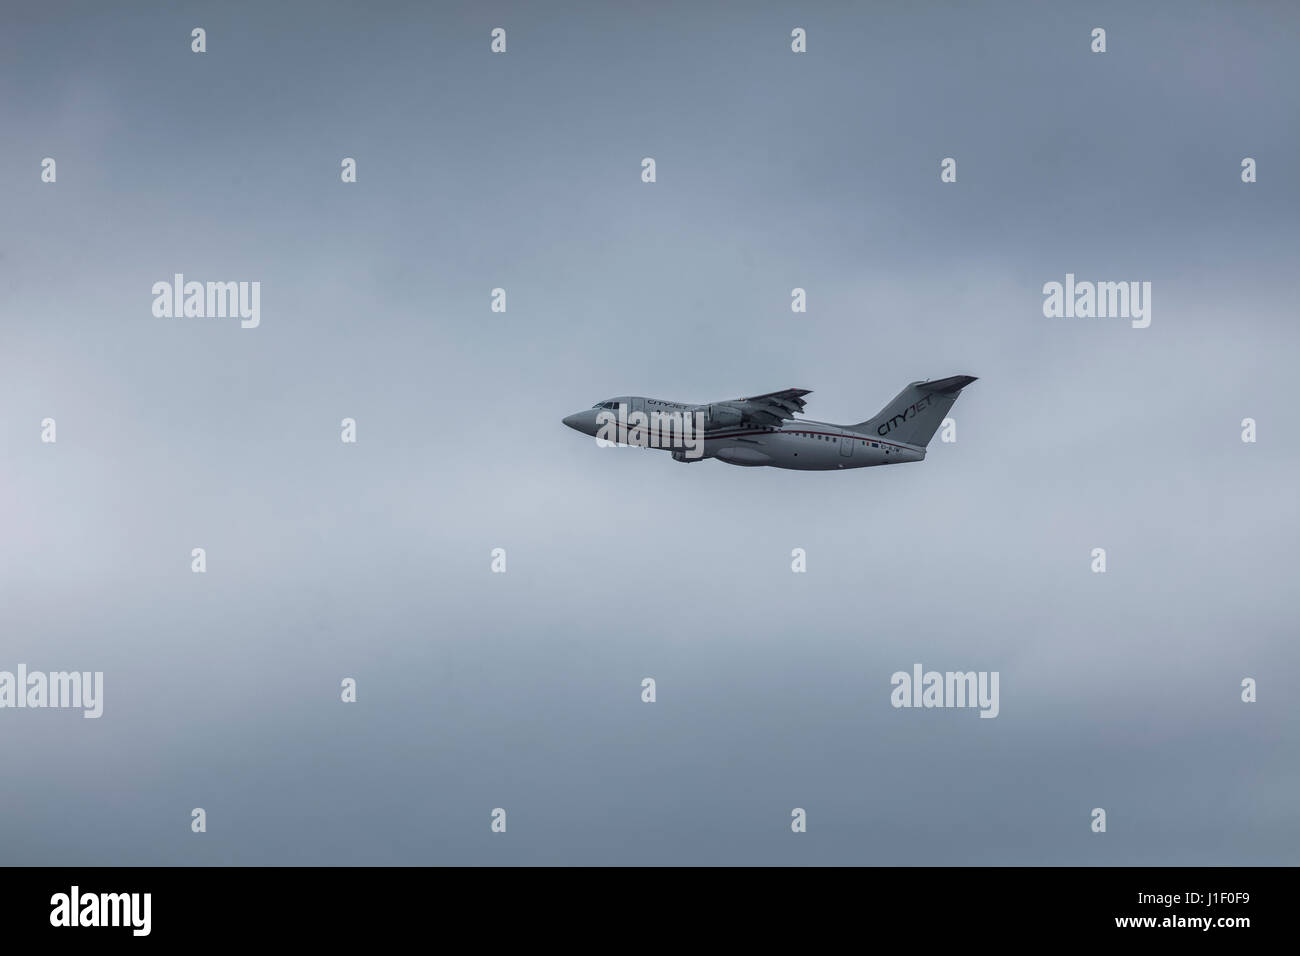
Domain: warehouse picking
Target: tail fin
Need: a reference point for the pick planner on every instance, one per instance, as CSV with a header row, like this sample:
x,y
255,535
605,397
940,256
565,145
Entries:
x,y
917,411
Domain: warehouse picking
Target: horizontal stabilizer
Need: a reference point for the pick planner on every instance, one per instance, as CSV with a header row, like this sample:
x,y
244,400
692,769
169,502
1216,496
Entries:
x,y
949,385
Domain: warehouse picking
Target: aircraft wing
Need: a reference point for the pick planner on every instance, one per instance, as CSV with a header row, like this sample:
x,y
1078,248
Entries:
x,y
772,408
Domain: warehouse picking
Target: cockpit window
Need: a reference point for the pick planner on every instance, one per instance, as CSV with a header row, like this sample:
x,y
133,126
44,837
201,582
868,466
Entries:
x,y
609,404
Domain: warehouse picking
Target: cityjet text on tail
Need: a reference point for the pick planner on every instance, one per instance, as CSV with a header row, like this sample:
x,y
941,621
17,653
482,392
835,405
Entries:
x,y
762,430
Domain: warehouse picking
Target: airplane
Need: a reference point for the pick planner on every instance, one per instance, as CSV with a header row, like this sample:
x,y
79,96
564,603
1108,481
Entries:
x,y
762,430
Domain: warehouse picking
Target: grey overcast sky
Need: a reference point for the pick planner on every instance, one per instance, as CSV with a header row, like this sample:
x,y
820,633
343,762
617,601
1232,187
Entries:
x,y
522,690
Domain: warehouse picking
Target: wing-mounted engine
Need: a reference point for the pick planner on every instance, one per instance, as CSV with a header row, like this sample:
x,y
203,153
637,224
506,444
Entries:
x,y
721,415
761,410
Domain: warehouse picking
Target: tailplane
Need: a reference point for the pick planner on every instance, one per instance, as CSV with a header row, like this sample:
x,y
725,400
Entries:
x,y
917,411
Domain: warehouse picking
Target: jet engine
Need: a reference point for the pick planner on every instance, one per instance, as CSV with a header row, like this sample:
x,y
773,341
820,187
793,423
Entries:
x,y
721,415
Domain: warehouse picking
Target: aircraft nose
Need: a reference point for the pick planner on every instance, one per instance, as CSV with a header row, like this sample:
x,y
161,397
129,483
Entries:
x,y
574,421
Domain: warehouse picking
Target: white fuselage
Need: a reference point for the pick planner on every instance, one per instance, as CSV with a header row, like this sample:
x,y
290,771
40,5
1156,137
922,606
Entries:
x,y
806,446
802,445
